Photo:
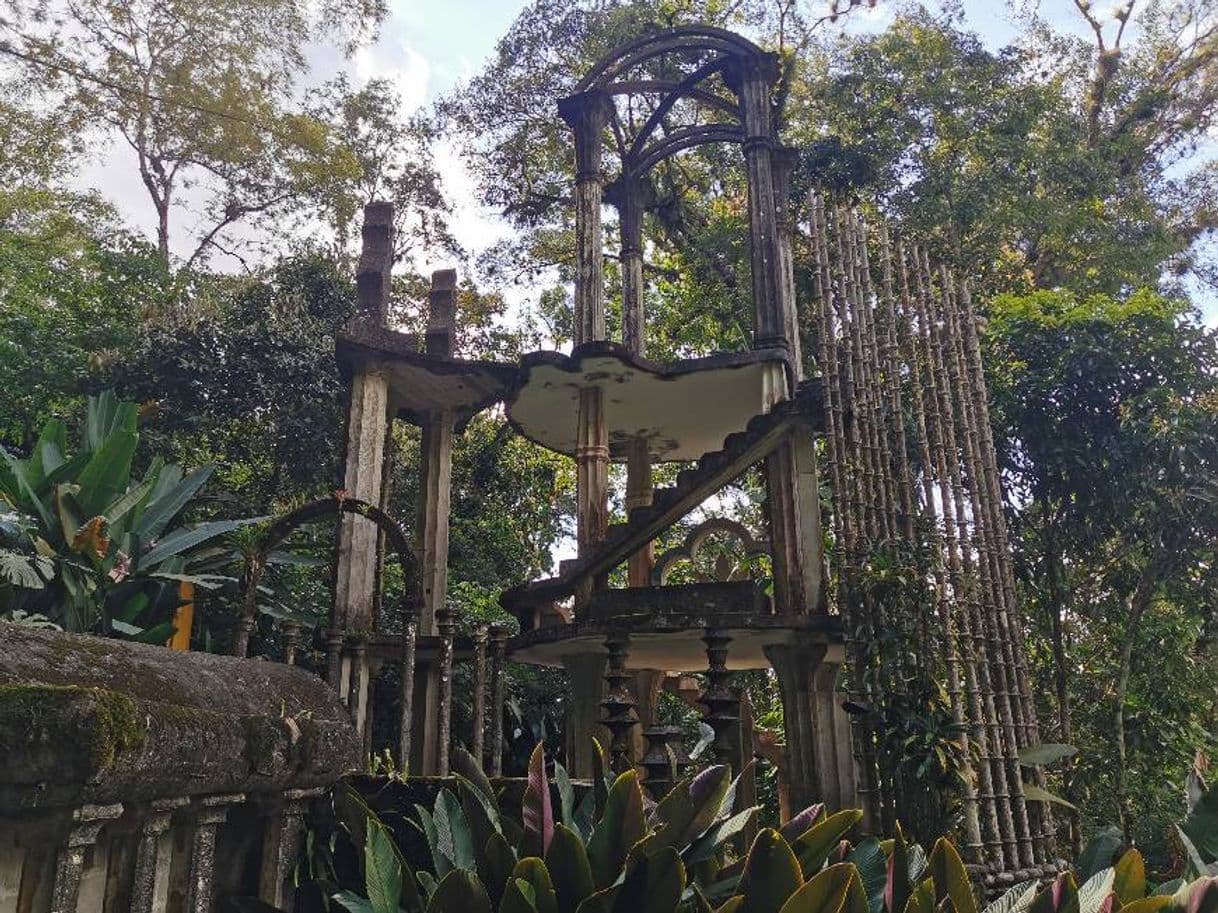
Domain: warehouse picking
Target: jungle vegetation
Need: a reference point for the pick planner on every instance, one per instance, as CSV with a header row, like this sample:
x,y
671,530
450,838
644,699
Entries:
x,y
1072,172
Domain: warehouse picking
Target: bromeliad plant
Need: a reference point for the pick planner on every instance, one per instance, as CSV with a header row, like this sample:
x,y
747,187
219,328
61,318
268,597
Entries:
x,y
91,547
610,853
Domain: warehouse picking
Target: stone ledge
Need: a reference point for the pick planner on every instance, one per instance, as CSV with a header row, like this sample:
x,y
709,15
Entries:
x,y
90,720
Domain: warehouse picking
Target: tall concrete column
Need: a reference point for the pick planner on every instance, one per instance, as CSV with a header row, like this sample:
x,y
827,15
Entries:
x,y
369,414
820,762
782,163
753,82
639,493
435,474
585,691
796,541
587,115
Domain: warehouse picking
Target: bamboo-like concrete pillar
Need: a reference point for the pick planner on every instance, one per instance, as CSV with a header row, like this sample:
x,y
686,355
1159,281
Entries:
x,y
587,115
435,472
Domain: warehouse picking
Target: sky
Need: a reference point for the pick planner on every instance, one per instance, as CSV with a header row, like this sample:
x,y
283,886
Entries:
x,y
427,47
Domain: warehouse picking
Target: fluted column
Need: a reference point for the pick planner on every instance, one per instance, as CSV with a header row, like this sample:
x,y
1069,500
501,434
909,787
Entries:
x,y
587,115
755,79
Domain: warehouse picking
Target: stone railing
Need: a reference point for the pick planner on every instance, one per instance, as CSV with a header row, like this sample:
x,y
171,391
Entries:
x,y
136,778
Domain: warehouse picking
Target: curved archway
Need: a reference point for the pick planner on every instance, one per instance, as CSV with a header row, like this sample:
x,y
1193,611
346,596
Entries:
x,y
313,511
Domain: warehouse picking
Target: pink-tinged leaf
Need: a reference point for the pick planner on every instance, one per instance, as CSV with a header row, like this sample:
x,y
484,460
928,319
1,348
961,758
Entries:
x,y
1108,904
538,815
801,822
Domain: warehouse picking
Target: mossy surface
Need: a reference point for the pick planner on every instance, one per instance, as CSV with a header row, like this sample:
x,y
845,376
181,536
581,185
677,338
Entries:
x,y
89,727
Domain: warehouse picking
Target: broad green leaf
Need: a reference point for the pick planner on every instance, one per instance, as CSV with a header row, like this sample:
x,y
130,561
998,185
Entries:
x,y
107,473
619,829
719,833
898,884
814,845
687,811
533,872
453,834
182,540
1129,883
601,778
1015,900
459,892
835,889
1034,793
868,857
771,873
164,507
922,900
951,878
495,865
353,902
481,815
653,884
1201,825
570,869
566,794
1048,753
439,861
382,871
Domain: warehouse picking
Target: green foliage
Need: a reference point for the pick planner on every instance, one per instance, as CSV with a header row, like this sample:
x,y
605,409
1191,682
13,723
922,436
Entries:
x,y
109,549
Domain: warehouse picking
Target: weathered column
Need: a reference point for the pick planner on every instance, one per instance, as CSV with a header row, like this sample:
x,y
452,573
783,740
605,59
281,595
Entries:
x,y
478,736
369,416
447,625
585,692
154,857
587,115
755,78
281,847
796,541
406,719
499,637
435,471
639,493
629,195
87,822
209,815
592,471
620,716
794,667
782,162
